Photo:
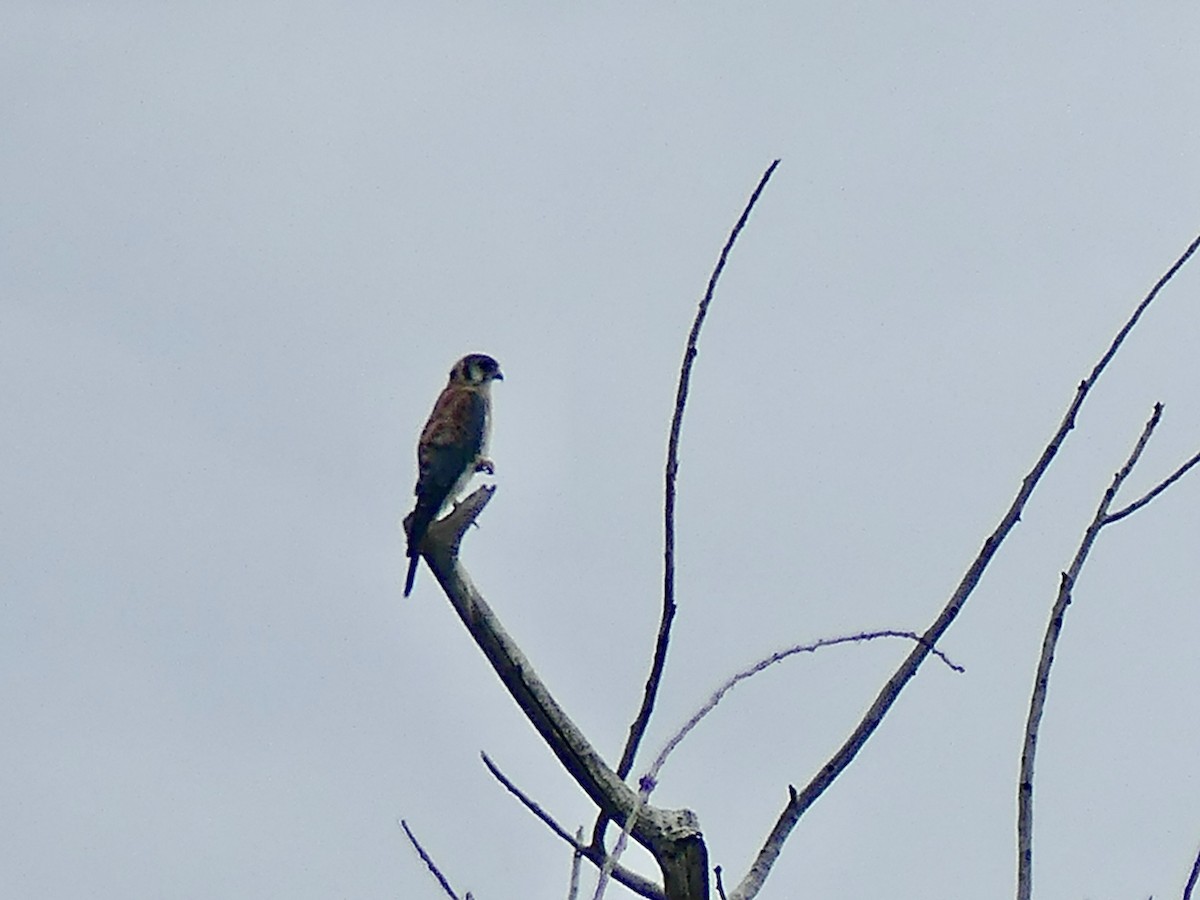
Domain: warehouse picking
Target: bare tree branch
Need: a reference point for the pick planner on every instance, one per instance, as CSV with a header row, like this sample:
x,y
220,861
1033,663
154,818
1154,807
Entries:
x,y
1192,878
638,728
429,863
640,722
620,874
1046,661
564,738
1054,627
672,836
752,883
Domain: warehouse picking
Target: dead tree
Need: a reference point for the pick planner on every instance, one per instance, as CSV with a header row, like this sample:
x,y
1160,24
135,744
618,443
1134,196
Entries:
x,y
674,837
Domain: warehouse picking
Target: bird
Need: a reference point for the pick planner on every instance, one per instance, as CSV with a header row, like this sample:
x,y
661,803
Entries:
x,y
452,446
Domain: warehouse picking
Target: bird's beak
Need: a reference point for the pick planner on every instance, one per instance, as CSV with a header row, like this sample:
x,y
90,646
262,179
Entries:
x,y
499,376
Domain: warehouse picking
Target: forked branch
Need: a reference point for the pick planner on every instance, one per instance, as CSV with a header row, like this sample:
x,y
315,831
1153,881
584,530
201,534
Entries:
x,y
1041,681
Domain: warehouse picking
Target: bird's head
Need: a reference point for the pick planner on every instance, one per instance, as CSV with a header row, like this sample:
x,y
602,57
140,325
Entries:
x,y
476,369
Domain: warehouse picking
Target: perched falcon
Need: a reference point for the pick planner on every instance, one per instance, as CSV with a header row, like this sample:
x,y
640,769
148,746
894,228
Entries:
x,y
453,446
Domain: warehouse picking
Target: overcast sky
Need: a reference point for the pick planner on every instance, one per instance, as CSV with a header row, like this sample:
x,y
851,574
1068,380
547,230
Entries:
x,y
241,246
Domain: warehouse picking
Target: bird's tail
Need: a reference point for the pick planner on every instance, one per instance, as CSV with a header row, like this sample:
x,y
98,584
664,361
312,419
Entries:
x,y
412,573
418,524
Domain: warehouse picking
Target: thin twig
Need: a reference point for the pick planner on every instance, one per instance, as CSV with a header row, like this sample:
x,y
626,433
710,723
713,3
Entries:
x,y
610,864
720,883
441,879
627,877
1041,681
576,858
752,883
1192,878
638,728
765,663
529,803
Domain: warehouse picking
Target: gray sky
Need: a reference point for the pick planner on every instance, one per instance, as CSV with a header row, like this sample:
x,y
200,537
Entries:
x,y
240,248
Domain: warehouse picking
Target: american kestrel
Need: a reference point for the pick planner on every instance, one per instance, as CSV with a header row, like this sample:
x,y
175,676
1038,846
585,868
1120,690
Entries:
x,y
453,446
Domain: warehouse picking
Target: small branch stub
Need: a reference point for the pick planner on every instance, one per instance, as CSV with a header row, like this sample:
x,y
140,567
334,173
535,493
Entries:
x,y
449,531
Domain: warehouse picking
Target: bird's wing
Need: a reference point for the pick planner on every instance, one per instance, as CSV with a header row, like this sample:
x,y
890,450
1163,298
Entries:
x,y
450,443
